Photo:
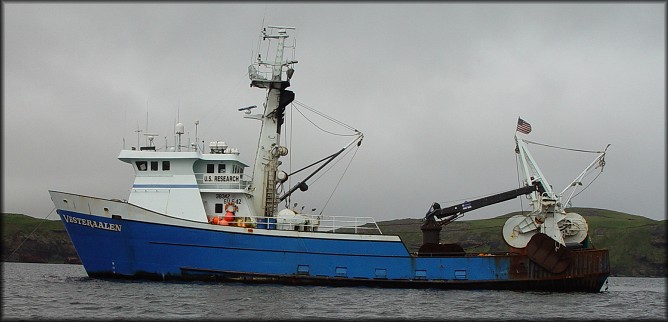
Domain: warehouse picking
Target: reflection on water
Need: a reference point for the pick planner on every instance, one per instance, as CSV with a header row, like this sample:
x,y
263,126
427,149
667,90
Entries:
x,y
59,291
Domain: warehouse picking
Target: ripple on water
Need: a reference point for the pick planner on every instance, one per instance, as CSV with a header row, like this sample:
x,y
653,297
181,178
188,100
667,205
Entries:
x,y
38,291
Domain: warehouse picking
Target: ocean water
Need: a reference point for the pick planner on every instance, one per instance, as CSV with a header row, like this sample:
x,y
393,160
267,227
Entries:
x,y
65,292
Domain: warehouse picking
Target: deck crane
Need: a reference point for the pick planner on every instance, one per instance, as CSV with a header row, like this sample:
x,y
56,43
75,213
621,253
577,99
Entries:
x,y
431,227
549,216
545,235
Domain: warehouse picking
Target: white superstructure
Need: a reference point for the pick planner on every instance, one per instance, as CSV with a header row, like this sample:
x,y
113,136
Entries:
x,y
190,184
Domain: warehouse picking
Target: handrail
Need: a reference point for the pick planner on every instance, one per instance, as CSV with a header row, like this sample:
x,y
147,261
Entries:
x,y
312,223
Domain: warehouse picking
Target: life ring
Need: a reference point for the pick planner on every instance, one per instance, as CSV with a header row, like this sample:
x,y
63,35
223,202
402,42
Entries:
x,y
231,207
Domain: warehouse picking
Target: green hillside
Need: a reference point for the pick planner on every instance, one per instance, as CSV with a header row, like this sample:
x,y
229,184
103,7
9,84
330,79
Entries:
x,y
637,244
29,239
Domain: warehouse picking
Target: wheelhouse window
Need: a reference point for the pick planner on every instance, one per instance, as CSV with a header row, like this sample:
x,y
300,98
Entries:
x,y
237,169
209,168
219,208
141,165
221,168
154,165
165,165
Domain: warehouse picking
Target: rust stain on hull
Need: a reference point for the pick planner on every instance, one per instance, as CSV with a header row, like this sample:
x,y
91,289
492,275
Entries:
x,y
588,269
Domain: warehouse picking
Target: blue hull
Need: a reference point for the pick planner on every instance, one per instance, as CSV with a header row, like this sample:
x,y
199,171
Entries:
x,y
121,248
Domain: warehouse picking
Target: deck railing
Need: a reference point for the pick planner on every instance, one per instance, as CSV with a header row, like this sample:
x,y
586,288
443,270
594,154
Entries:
x,y
350,225
315,223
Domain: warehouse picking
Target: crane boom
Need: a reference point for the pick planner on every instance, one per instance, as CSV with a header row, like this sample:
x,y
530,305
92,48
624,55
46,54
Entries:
x,y
431,228
451,213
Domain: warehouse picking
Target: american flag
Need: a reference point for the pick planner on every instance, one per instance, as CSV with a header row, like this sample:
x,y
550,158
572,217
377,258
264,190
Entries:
x,y
522,126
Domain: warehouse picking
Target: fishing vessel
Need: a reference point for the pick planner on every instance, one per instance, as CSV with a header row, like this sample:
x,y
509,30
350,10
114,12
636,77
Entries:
x,y
195,214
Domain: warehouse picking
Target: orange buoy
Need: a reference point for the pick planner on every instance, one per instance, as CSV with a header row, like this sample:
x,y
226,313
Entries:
x,y
215,220
229,216
223,222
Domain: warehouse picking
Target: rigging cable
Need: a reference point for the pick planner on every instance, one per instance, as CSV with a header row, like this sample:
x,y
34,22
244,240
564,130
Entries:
x,y
558,147
576,150
333,120
338,182
326,117
589,184
321,129
331,166
314,163
338,134
24,240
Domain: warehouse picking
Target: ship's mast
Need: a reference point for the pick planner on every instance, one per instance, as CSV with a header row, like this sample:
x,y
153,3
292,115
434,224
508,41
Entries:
x,y
270,75
546,204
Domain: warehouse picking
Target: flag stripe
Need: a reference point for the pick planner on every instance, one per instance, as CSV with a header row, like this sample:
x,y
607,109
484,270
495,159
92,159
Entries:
x,y
523,126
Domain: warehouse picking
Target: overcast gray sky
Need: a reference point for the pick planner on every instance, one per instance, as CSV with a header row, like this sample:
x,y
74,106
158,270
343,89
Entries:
x,y
435,87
